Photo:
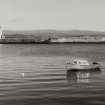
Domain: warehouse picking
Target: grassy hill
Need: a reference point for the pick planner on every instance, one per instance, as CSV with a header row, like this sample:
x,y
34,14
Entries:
x,y
54,33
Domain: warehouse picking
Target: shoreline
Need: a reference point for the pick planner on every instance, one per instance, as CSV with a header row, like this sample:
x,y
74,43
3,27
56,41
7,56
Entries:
x,y
1,42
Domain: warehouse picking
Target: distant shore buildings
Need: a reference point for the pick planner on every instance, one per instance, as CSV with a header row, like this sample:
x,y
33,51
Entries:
x,y
84,39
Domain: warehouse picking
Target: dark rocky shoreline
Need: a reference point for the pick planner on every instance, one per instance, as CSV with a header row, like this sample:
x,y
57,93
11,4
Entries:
x,y
4,42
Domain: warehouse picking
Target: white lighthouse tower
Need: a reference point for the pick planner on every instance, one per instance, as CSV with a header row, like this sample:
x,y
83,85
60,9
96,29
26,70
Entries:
x,y
1,33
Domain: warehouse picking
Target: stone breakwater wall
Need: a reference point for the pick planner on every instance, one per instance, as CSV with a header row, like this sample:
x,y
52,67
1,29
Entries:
x,y
21,38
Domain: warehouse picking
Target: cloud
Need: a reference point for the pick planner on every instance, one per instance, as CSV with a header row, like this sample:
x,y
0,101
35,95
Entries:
x,y
17,20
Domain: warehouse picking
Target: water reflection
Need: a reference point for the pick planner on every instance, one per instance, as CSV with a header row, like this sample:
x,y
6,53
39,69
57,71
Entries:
x,y
81,76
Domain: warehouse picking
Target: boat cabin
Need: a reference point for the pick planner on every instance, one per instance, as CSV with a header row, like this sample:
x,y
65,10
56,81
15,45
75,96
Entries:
x,y
80,62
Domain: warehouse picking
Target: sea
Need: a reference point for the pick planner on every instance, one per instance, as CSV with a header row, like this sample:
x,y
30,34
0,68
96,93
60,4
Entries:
x,y
37,74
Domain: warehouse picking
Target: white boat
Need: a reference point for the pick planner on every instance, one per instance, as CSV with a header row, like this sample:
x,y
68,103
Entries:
x,y
82,64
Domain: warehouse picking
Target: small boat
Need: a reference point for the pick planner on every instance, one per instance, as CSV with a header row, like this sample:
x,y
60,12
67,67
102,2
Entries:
x,y
82,64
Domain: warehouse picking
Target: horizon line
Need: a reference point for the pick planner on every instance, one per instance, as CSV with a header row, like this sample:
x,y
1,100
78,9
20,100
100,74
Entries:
x,y
52,30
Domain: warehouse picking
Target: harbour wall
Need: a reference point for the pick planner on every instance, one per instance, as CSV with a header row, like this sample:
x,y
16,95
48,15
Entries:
x,y
49,38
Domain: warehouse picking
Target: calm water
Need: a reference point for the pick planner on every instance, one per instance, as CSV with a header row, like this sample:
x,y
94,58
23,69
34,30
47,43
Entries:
x,y
37,75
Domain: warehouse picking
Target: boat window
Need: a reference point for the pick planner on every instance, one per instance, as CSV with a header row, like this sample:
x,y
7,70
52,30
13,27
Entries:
x,y
75,62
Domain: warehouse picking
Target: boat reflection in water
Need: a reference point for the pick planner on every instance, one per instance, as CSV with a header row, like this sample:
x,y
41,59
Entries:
x,y
85,76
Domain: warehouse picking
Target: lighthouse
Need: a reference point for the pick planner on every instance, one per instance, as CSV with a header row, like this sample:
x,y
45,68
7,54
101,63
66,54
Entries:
x,y
1,32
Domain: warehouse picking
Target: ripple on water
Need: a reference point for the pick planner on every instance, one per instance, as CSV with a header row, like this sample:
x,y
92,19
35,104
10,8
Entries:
x,y
36,75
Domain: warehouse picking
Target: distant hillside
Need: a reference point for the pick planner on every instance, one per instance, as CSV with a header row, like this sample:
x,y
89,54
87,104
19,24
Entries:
x,y
54,33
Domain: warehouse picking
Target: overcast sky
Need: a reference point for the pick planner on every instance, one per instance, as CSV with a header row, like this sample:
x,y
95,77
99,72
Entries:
x,y
53,14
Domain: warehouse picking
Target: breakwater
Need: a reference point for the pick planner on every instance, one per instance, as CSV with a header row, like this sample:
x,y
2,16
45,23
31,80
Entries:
x,y
51,37
50,40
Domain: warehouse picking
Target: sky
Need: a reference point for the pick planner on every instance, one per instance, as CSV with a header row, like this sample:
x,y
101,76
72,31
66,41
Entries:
x,y
52,14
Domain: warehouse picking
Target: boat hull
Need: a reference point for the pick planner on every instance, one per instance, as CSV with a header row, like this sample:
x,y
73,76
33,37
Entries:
x,y
89,69
93,67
